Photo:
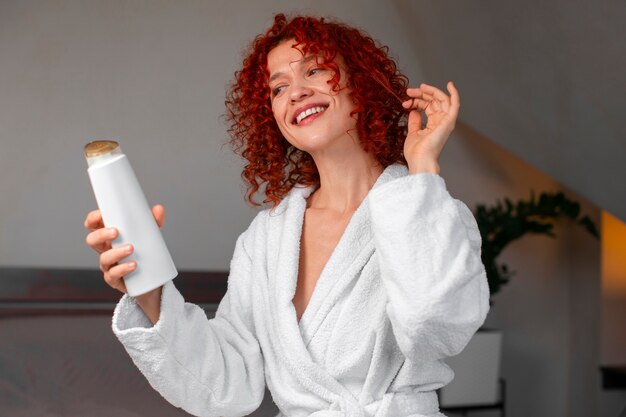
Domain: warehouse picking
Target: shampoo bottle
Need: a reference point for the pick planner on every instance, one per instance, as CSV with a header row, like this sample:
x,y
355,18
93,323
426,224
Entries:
x,y
124,206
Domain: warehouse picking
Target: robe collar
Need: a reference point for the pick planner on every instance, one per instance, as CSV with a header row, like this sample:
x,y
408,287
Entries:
x,y
355,246
352,245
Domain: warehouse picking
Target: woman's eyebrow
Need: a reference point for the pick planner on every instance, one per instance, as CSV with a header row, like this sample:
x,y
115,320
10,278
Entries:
x,y
299,62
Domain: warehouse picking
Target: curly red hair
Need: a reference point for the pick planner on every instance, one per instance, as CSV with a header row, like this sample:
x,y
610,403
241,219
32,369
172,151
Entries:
x,y
381,119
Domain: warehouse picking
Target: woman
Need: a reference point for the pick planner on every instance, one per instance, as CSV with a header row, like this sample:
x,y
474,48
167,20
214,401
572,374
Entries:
x,y
344,296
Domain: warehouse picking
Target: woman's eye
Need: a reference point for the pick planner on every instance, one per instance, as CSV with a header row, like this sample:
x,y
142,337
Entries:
x,y
315,70
276,90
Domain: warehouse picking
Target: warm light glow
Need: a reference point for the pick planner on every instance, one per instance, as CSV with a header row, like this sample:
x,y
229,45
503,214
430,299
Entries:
x,y
613,256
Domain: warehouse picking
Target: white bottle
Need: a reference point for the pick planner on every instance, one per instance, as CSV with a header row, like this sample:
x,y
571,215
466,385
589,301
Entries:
x,y
124,206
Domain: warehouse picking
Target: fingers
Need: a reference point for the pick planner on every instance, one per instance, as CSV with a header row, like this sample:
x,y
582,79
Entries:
x,y
417,103
158,211
431,98
93,220
415,121
100,239
426,104
114,277
111,257
455,100
113,270
418,92
435,92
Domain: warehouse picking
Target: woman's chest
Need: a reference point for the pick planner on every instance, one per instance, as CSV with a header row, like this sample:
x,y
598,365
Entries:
x,y
321,232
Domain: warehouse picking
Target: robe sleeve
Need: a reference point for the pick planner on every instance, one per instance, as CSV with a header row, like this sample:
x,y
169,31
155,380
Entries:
x,y
428,249
206,367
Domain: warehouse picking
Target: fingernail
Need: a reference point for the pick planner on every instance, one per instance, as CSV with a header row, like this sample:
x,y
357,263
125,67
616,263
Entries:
x,y
127,248
132,265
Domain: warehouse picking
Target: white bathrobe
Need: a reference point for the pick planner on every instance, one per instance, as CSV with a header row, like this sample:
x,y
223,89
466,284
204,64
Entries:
x,y
404,288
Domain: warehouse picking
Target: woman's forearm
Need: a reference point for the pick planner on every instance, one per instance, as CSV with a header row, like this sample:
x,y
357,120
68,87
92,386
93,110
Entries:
x,y
150,303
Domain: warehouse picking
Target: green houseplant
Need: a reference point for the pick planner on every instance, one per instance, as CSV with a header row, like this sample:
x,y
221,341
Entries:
x,y
506,221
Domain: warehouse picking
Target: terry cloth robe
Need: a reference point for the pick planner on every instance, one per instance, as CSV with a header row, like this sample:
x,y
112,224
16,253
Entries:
x,y
404,288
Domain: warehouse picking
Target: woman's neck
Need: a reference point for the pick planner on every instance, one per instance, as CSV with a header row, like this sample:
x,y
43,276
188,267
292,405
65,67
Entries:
x,y
345,180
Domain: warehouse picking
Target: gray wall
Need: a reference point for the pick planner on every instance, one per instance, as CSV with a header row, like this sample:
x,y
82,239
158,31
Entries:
x,y
152,73
546,79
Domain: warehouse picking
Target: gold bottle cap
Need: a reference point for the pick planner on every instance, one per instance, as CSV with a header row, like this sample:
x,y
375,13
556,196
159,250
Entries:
x,y
100,147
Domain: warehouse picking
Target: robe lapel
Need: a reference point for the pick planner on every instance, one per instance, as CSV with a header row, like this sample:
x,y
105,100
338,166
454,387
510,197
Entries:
x,y
287,338
352,252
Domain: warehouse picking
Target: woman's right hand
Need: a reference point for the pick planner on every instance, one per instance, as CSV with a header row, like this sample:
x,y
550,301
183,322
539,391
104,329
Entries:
x,y
99,239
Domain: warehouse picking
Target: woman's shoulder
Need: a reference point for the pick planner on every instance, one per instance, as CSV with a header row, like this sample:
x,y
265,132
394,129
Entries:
x,y
261,221
392,172
267,217
300,192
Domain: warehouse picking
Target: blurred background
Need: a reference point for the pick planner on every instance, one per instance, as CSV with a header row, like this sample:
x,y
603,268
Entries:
x,y
543,94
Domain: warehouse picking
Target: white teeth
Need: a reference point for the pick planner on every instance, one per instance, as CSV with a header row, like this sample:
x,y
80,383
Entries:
x,y
308,112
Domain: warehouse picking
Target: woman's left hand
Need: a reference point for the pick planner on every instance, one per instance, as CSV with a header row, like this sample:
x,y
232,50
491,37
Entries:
x,y
424,144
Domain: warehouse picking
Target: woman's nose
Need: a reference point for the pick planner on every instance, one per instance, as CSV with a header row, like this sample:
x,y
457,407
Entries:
x,y
299,91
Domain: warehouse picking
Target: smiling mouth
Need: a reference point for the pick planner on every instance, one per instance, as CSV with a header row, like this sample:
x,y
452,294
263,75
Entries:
x,y
308,112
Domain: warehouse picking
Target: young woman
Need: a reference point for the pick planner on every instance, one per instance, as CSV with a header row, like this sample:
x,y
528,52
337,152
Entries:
x,y
344,296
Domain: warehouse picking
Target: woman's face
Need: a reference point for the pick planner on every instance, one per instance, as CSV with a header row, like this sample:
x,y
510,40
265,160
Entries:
x,y
309,114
